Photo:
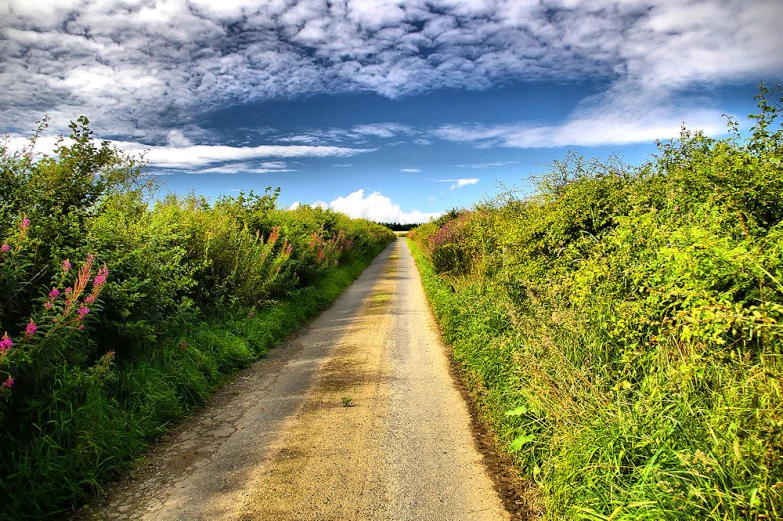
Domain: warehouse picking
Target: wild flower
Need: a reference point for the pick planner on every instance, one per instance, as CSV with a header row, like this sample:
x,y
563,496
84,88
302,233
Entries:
x,y
82,311
68,290
48,305
5,247
25,224
81,327
54,293
5,343
278,269
90,299
9,382
30,329
66,265
289,249
100,278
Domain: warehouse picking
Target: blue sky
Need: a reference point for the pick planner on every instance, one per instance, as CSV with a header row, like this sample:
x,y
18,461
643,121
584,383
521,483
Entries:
x,y
387,109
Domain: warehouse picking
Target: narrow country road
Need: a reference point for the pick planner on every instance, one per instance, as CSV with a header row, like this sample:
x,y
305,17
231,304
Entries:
x,y
278,443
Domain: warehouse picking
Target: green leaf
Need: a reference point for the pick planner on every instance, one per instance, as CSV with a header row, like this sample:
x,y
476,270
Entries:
x,y
520,441
519,411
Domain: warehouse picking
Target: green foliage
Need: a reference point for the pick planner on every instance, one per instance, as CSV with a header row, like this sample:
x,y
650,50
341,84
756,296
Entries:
x,y
622,327
98,355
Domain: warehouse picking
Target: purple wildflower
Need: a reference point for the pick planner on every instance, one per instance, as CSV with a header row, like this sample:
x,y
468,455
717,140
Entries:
x,y
5,344
289,249
30,329
66,265
25,224
81,327
90,299
68,290
100,278
5,247
82,311
54,293
9,382
48,305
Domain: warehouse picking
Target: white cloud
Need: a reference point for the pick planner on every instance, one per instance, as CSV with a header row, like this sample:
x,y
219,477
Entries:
x,y
377,207
486,165
459,183
177,139
410,170
342,165
194,157
199,155
588,128
245,167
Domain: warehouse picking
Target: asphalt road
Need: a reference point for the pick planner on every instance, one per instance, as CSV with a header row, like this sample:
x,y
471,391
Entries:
x,y
355,418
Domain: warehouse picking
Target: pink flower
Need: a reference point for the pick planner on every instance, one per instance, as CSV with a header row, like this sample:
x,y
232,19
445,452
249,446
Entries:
x,y
81,327
100,278
30,329
66,265
25,223
289,249
278,269
54,293
5,343
68,290
48,305
5,247
90,299
8,383
82,311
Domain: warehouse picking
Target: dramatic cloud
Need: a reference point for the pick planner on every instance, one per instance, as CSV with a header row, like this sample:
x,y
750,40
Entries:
x,y
142,68
377,207
459,183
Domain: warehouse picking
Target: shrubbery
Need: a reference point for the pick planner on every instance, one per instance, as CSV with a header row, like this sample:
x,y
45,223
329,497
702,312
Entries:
x,y
623,327
117,315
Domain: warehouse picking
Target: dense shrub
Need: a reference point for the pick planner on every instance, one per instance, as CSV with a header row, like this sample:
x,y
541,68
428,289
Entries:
x,y
117,315
623,328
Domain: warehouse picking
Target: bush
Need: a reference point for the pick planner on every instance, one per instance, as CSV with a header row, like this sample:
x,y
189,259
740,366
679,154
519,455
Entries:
x,y
623,327
97,355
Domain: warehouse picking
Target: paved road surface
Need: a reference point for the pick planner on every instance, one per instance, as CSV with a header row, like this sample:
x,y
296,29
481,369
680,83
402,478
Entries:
x,y
278,443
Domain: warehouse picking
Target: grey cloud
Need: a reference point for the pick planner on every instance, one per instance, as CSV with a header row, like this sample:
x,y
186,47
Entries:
x,y
140,68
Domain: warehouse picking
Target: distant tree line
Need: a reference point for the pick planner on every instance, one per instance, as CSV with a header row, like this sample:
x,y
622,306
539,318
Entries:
x,y
399,227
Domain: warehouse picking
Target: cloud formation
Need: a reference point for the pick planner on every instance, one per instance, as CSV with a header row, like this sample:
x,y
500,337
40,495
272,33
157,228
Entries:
x,y
485,165
459,183
201,158
377,207
410,170
140,68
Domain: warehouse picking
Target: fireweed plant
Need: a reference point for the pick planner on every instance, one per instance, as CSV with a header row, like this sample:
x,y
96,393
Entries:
x,y
118,315
621,328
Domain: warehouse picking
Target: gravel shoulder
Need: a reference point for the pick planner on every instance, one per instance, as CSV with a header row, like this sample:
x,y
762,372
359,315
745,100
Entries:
x,y
356,417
